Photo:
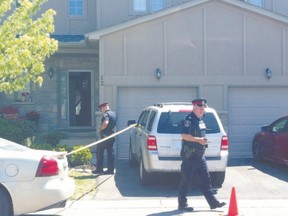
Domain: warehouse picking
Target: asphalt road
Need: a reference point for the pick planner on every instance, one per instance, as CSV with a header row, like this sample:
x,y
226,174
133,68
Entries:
x,y
261,189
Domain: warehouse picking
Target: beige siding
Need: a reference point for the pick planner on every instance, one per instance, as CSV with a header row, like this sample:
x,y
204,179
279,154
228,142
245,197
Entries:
x,y
224,27
214,47
73,25
267,37
203,41
100,14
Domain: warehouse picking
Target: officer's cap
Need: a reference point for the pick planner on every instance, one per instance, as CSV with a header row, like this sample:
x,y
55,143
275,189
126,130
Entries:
x,y
102,105
200,102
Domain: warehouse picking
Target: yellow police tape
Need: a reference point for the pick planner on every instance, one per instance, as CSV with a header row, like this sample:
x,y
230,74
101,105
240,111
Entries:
x,y
102,140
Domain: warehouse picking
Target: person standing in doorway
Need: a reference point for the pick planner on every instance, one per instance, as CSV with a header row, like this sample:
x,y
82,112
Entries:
x,y
107,128
193,161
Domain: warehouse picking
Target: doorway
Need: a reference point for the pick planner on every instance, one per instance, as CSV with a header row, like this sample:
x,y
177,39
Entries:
x,y
79,99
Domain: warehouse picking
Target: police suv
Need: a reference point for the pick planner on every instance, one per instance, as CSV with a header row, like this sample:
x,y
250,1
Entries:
x,y
155,141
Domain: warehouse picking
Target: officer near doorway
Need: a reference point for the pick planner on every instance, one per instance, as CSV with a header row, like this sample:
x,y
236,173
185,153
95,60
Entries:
x,y
194,144
107,128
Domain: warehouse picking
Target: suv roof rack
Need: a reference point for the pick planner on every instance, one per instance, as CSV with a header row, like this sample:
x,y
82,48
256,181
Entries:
x,y
172,103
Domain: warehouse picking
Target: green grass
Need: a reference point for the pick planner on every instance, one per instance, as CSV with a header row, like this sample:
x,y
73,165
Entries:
x,y
85,183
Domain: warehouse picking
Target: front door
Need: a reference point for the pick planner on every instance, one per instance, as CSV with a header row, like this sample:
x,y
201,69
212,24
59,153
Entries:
x,y
79,99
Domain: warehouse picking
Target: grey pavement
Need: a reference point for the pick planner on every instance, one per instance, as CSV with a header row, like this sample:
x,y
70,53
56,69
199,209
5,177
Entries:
x,y
165,207
260,190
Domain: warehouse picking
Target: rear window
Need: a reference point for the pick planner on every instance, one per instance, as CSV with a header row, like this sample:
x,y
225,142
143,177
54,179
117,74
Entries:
x,y
172,123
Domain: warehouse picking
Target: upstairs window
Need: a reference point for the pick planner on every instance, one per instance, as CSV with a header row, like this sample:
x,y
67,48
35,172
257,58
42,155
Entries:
x,y
139,6
258,3
147,6
156,5
76,7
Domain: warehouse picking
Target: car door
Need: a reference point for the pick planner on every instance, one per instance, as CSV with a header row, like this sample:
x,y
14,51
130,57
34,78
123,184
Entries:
x,y
272,139
281,144
140,133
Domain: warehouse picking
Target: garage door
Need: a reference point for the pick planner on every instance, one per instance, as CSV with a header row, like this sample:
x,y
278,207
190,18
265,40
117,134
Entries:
x,y
131,102
249,109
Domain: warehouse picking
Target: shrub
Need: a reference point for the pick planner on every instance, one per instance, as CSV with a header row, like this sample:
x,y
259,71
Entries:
x,y
16,130
82,157
61,147
44,146
33,116
54,137
10,112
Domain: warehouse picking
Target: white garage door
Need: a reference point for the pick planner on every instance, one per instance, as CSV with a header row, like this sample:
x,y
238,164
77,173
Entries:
x,y
131,102
249,109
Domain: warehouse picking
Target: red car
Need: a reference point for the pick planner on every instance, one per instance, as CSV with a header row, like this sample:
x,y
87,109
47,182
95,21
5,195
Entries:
x,y
271,143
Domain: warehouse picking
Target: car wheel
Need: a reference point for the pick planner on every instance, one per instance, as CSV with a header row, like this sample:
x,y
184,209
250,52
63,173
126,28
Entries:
x,y
5,203
144,176
132,159
257,151
217,179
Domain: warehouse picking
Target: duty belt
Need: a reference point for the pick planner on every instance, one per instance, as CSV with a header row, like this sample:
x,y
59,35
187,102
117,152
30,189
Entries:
x,y
190,148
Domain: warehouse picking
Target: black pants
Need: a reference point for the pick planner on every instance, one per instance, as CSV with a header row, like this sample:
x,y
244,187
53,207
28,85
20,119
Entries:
x,y
196,164
101,147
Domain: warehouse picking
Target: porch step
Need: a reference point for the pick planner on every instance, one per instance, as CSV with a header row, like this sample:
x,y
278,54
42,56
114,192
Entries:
x,y
74,142
79,137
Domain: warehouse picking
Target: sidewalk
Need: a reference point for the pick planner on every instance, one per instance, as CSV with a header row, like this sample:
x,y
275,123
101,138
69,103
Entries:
x,y
120,194
165,207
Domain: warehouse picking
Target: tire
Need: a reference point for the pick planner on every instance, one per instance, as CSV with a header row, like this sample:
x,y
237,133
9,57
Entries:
x,y
217,179
132,159
257,151
144,176
5,203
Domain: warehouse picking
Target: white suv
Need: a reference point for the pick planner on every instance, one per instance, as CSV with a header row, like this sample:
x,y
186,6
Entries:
x,y
155,141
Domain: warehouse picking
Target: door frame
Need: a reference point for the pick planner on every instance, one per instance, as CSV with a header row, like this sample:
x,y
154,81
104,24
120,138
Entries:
x,y
92,98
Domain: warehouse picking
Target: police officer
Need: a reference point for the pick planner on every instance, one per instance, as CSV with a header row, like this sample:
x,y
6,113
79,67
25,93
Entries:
x,y
193,160
107,128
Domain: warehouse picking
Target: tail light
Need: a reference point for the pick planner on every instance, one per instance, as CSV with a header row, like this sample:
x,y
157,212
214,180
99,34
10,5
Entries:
x,y
224,143
151,143
48,166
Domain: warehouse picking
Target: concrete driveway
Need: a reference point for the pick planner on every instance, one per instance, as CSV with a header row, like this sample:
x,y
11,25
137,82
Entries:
x,y
261,189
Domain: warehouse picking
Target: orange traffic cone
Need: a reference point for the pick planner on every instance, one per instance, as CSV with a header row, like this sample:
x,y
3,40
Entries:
x,y
233,209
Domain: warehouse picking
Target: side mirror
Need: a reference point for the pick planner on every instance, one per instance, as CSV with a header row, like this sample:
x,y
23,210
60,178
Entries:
x,y
265,128
131,122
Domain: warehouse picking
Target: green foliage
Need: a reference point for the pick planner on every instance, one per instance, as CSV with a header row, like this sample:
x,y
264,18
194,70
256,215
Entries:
x,y
32,116
16,130
54,137
44,146
81,157
61,147
25,43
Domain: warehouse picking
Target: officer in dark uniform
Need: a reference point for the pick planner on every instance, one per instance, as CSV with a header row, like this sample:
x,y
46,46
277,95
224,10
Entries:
x,y
194,144
107,128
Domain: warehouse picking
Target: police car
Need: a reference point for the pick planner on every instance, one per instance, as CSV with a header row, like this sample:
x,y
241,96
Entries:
x,y
155,141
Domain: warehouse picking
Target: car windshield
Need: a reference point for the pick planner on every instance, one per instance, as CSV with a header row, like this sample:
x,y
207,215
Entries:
x,y
6,145
172,123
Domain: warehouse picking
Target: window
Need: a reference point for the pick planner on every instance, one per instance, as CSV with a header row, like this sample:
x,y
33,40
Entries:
x,y
151,120
281,126
256,2
139,6
24,95
76,7
156,5
143,119
172,122
145,6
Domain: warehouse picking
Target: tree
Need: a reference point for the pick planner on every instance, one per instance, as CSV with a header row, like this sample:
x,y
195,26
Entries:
x,y
25,43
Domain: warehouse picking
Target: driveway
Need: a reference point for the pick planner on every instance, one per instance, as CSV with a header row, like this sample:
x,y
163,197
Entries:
x,y
261,188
